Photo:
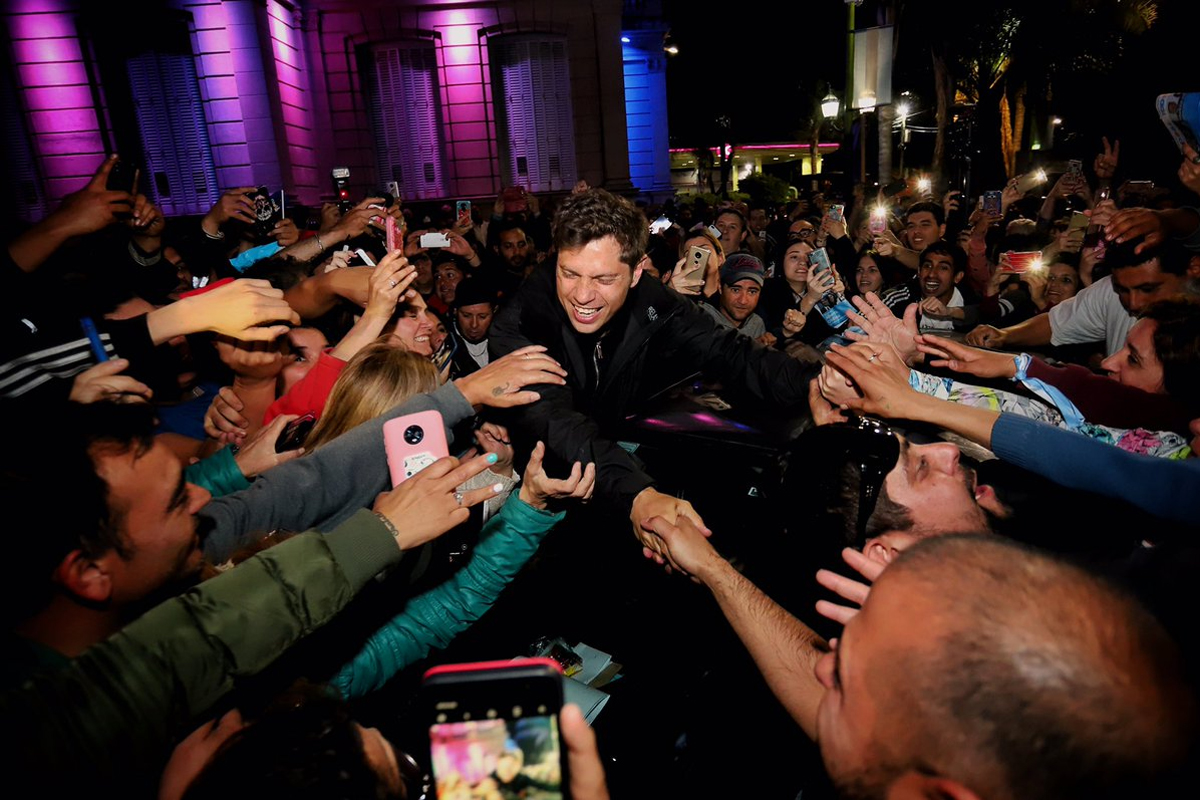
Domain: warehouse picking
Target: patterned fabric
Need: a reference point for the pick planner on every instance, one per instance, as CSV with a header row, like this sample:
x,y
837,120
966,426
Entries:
x,y
1162,444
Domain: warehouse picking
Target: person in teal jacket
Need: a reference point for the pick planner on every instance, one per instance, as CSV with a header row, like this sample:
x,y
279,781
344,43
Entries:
x,y
432,619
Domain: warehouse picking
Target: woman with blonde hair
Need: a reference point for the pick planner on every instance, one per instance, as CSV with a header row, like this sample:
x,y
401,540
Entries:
x,y
378,377
383,375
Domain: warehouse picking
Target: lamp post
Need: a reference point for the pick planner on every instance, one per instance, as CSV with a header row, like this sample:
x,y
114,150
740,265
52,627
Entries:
x,y
903,111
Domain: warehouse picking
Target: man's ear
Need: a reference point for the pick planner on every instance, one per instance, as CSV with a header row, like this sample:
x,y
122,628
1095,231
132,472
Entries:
x,y
84,577
942,231
887,547
643,262
958,276
913,785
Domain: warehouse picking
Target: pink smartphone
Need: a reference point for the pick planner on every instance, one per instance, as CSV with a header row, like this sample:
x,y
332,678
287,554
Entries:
x,y
393,237
413,442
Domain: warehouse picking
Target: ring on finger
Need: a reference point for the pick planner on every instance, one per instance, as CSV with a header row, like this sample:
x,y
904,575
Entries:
x,y
394,284
458,497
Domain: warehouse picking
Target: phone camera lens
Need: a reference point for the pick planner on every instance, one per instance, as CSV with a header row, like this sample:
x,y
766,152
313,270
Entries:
x,y
413,434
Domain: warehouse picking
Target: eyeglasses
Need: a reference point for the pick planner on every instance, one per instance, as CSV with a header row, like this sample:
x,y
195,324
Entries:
x,y
803,233
877,455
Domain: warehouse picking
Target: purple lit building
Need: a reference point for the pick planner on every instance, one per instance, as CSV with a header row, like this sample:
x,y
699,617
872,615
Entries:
x,y
449,99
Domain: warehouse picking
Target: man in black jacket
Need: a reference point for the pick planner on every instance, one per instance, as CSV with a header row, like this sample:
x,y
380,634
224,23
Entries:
x,y
622,339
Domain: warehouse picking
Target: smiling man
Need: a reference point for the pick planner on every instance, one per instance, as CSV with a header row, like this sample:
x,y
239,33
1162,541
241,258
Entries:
x,y
934,288
128,536
622,339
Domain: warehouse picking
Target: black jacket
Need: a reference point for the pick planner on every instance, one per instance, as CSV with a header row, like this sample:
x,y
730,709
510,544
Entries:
x,y
664,338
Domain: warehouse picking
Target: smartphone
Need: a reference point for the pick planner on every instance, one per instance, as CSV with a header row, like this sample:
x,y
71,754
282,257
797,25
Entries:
x,y
267,212
696,262
462,210
392,233
122,178
1022,261
393,189
837,212
1075,169
494,729
361,258
434,240
413,442
294,433
992,205
818,261
1079,221
878,223
1030,180
341,177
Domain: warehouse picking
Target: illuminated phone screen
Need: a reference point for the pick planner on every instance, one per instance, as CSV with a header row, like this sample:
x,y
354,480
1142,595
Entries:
x,y
516,757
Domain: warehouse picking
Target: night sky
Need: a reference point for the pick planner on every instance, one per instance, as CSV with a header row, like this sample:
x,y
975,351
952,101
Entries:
x,y
764,71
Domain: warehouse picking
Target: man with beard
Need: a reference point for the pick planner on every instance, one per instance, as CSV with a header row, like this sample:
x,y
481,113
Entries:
x,y
127,536
514,254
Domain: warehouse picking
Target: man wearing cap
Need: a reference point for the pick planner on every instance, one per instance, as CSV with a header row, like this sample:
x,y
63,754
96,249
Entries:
x,y
741,283
622,340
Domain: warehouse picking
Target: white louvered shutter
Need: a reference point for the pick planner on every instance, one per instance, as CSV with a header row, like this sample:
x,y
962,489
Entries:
x,y
538,131
407,118
179,175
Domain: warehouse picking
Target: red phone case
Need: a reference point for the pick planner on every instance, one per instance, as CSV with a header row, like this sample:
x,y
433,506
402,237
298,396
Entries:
x,y
485,666
408,453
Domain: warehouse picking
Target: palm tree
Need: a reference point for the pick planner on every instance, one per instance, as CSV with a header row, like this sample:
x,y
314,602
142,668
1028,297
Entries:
x,y
1004,55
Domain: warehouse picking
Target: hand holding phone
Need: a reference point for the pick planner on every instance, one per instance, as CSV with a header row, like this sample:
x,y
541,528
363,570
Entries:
x,y
435,239
429,504
413,442
878,222
497,725
992,204
1020,262
294,433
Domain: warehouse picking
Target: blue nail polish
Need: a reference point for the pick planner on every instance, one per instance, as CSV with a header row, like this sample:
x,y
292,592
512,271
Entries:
x,y
491,459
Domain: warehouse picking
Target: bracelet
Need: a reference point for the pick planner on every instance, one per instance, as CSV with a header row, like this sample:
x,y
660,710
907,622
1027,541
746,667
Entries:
x,y
320,244
387,523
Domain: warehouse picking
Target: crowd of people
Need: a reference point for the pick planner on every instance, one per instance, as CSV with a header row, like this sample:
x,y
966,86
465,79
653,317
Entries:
x,y
1015,586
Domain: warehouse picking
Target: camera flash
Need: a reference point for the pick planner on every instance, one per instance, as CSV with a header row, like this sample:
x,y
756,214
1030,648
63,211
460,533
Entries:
x,y
923,184
1041,176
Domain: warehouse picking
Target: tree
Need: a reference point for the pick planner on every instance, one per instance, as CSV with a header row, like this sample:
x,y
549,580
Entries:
x,y
1004,56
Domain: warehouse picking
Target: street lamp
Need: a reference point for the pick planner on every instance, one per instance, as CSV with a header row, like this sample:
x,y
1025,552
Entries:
x,y
829,105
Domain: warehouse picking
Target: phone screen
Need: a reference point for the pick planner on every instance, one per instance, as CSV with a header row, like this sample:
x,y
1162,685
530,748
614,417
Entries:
x,y
494,729
515,754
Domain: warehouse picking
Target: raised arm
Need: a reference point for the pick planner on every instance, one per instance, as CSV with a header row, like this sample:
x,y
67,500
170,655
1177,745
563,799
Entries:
x,y
784,649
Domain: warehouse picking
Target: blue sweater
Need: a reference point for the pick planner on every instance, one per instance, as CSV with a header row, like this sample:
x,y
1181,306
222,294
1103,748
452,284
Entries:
x,y
1165,488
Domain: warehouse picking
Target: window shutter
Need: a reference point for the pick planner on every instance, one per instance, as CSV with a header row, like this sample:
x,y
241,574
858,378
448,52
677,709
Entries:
x,y
538,131
179,174
407,118
29,201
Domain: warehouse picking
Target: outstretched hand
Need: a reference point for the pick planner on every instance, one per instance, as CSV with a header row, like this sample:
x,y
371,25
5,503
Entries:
x,y
103,382
685,545
847,588
428,504
501,384
537,487
650,504
874,371
962,358
881,326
